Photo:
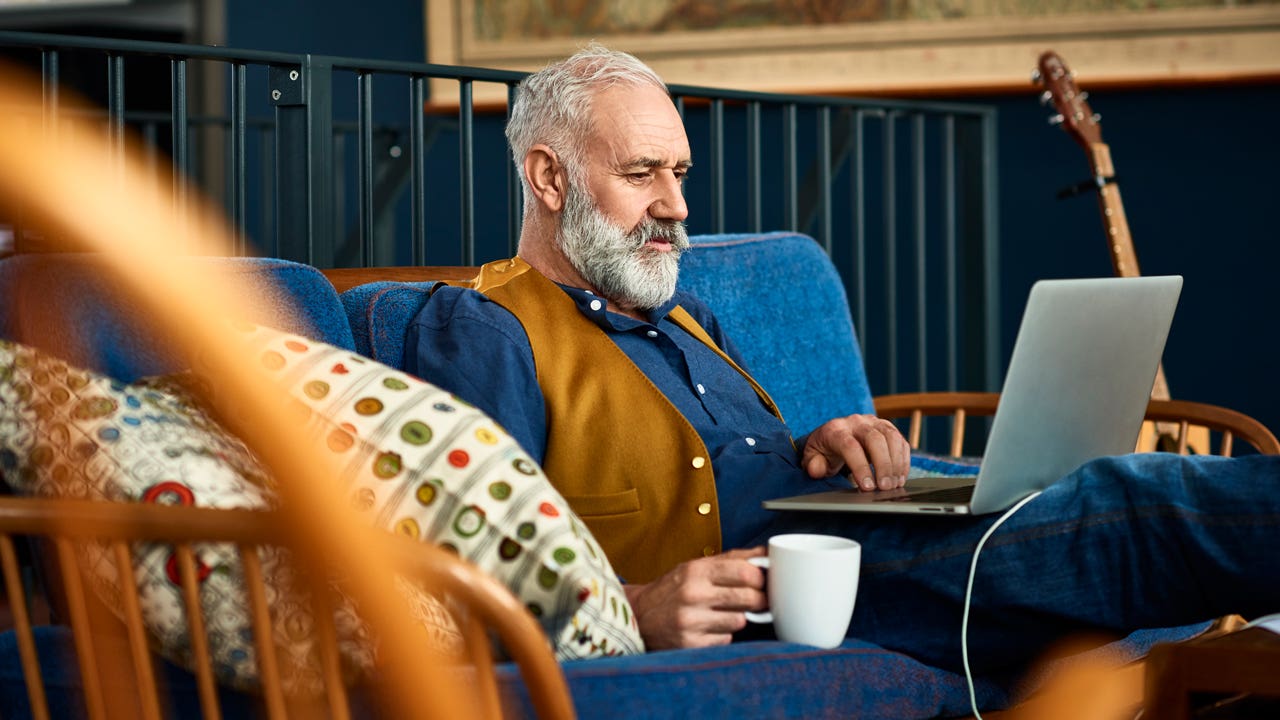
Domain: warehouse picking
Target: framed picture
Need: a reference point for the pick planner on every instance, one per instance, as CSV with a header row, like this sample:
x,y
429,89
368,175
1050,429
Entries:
x,y
885,47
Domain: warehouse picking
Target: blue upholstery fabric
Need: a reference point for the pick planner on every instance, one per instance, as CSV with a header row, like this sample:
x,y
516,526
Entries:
x,y
761,680
781,301
380,313
68,305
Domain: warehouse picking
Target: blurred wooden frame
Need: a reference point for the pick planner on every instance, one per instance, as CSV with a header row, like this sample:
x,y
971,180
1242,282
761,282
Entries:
x,y
897,57
1226,424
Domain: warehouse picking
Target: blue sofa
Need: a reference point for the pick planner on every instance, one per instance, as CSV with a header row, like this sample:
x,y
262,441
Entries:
x,y
777,294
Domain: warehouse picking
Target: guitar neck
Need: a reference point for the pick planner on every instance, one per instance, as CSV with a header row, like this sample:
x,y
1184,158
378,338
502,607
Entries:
x,y
1123,257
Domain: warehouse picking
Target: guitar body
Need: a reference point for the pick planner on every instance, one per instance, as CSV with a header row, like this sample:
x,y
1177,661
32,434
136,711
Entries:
x,y
1078,120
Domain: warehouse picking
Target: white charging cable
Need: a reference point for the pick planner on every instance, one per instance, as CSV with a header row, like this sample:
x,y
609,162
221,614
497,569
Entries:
x,y
968,595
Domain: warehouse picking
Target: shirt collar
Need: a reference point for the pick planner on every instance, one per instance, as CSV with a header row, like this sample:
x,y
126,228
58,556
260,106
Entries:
x,y
596,309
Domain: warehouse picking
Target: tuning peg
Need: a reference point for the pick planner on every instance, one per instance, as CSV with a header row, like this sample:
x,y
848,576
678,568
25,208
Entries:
x,y
1097,117
1056,119
1084,95
1046,97
1035,76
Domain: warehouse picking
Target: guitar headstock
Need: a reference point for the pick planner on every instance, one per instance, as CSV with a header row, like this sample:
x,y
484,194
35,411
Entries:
x,y
1074,113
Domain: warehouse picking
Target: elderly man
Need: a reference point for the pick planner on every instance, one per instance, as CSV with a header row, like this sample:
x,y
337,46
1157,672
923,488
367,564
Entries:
x,y
639,408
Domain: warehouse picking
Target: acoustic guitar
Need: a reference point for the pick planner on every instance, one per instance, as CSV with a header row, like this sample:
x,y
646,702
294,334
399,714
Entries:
x,y
1080,122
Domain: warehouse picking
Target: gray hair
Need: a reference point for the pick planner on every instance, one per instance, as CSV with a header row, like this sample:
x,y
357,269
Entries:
x,y
553,105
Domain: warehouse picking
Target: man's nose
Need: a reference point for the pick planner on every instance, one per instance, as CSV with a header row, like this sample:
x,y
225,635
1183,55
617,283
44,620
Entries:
x,y
670,204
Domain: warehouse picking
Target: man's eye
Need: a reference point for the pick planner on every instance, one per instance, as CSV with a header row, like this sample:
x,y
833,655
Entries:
x,y
638,176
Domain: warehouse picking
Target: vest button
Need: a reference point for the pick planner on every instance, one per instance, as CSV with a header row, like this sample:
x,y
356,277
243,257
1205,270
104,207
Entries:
x,y
698,462
704,509
708,551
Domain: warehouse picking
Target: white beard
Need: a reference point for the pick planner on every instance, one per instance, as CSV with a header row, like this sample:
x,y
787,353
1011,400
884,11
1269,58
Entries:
x,y
618,263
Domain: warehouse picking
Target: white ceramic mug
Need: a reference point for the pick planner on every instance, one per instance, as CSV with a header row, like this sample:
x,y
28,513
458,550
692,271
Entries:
x,y
812,585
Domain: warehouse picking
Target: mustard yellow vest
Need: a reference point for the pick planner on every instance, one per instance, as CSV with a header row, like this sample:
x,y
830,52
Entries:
x,y
620,453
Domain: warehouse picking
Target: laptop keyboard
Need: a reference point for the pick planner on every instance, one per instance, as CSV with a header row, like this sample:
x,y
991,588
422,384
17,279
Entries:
x,y
943,495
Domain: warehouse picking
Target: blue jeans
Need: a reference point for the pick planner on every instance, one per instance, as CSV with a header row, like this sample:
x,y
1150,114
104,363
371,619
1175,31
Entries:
x,y
1123,543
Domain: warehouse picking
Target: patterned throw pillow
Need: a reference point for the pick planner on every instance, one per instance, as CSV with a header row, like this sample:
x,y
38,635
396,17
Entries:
x,y
66,432
418,461
423,463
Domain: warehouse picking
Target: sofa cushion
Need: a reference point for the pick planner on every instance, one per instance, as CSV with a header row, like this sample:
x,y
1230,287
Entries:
x,y
761,679
68,304
782,303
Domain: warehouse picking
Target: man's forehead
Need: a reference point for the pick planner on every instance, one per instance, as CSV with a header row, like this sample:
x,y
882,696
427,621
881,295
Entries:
x,y
641,127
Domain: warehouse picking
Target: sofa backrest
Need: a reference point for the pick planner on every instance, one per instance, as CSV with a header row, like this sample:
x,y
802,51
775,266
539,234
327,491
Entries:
x,y
68,304
777,295
783,304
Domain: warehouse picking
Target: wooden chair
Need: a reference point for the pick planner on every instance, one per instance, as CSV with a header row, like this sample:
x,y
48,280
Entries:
x,y
127,686
1224,424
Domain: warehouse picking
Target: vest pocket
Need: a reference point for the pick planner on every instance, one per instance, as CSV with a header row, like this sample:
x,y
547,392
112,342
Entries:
x,y
619,503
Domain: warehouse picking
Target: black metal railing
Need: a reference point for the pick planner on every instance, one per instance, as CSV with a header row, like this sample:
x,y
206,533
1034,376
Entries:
x,y
340,162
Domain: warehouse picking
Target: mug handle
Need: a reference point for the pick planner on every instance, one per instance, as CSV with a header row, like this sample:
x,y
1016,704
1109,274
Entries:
x,y
766,616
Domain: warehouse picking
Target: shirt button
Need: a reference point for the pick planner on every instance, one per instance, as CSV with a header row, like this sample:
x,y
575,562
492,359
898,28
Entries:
x,y
652,333
751,441
704,509
595,305
708,551
698,462
701,390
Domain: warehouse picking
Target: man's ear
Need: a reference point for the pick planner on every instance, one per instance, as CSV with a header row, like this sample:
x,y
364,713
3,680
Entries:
x,y
546,176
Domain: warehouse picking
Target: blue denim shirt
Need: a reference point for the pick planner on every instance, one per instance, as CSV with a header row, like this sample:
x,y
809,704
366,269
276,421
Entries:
x,y
476,349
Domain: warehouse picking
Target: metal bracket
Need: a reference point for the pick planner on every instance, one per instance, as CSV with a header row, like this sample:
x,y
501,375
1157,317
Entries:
x,y
286,85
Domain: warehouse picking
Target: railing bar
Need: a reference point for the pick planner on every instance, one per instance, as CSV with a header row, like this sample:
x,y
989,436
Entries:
x,y
515,189
418,170
364,149
80,630
50,88
29,39
339,150
187,580
789,186
991,249
467,201
266,188
888,140
22,631
858,184
139,651
239,160
754,151
922,281
824,177
178,110
717,166
949,248
115,107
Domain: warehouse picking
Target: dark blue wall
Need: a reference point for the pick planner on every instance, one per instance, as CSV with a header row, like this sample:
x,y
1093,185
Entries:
x,y
1197,177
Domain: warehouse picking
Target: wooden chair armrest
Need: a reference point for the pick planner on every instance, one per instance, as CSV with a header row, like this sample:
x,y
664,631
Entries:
x,y
346,278
916,406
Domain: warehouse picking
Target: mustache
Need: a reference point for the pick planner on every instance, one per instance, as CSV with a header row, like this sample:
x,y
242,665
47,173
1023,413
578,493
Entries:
x,y
651,228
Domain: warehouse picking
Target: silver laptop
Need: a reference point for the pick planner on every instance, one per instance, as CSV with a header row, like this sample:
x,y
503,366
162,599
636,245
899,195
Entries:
x,y
1077,389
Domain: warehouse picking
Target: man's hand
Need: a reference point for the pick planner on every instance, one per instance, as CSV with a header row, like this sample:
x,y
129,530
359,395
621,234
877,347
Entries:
x,y
861,443
701,602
